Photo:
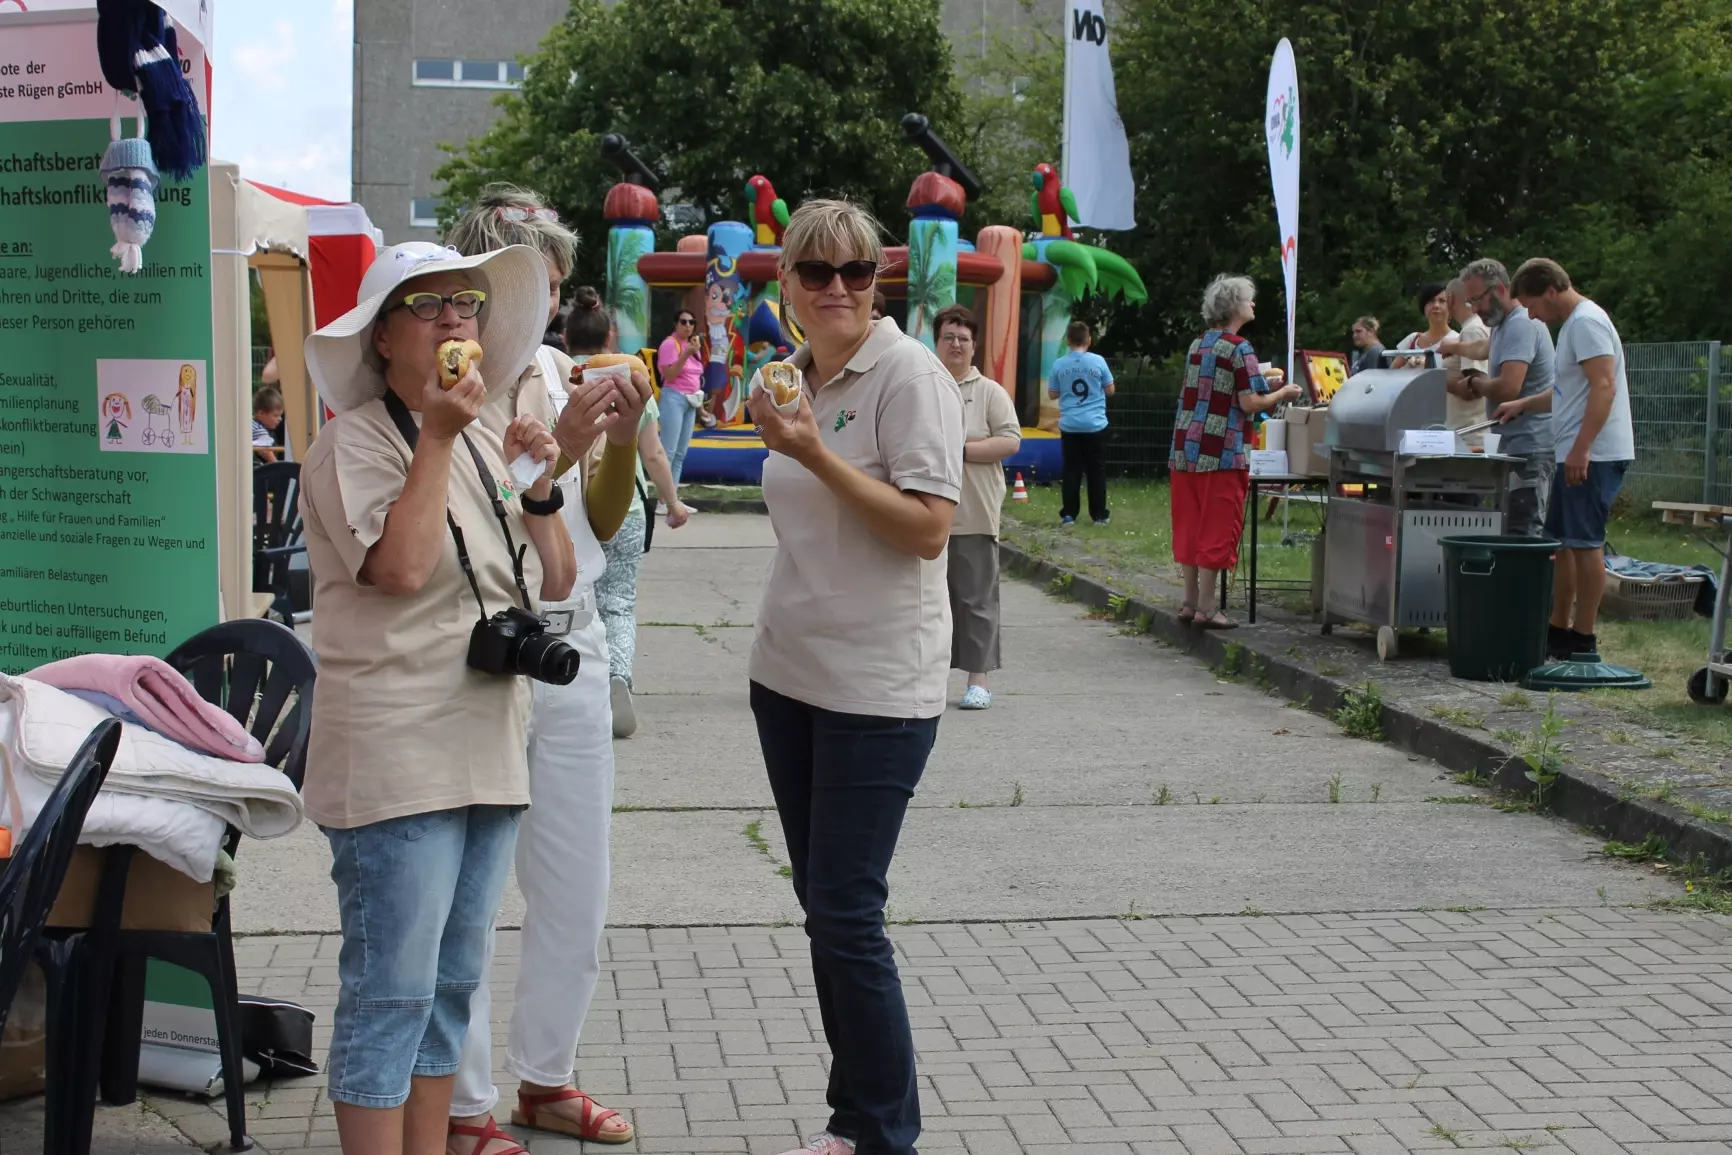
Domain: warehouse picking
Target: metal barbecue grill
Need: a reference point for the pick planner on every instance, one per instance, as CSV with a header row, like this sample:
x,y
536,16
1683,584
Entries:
x,y
1382,564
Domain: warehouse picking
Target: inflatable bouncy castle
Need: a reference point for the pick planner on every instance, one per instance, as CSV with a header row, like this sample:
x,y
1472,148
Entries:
x,y
1021,289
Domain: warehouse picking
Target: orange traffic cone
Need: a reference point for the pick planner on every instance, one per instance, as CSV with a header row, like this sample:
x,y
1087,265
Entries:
x,y
1020,492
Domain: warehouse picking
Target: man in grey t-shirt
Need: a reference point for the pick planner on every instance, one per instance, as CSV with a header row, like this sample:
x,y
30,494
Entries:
x,y
1521,366
1596,442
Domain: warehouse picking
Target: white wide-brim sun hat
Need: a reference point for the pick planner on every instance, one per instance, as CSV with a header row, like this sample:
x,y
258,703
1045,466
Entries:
x,y
509,327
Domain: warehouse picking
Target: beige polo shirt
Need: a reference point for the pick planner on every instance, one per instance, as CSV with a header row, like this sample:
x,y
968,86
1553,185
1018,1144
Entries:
x,y
849,623
987,411
401,724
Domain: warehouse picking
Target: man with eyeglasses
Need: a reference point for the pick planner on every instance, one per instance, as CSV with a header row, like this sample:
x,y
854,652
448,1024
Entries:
x,y
1521,365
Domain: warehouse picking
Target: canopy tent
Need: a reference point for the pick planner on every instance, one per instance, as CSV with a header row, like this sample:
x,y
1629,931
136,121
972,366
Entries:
x,y
310,255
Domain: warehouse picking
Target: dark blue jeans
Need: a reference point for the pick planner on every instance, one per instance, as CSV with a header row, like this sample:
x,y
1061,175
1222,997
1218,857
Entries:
x,y
842,784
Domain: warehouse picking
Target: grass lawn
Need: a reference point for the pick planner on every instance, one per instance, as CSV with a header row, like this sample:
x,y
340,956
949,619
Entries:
x,y
739,493
1140,537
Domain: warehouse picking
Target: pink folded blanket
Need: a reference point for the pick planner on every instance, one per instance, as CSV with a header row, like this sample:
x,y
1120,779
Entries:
x,y
161,697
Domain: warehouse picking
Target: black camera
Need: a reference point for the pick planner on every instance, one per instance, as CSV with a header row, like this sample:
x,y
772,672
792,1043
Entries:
x,y
515,641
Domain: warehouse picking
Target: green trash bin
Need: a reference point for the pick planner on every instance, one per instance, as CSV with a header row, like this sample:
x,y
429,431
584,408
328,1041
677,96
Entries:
x,y
1499,593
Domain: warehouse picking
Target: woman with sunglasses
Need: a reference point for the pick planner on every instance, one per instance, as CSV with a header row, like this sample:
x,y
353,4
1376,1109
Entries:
x,y
562,848
681,361
851,657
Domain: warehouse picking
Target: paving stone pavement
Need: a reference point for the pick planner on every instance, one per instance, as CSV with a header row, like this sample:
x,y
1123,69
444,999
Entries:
x,y
1587,1031
1286,973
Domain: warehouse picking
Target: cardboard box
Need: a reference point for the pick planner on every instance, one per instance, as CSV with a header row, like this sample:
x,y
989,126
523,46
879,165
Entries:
x,y
1307,456
158,897
24,1042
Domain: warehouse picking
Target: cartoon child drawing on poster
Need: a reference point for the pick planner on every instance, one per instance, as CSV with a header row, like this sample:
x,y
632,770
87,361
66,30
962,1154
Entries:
x,y
186,402
117,411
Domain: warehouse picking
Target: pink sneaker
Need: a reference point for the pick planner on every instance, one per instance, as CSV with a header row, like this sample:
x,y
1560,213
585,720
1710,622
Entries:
x,y
824,1143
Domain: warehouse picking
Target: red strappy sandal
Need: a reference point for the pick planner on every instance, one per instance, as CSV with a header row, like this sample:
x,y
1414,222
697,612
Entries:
x,y
528,1114
485,1135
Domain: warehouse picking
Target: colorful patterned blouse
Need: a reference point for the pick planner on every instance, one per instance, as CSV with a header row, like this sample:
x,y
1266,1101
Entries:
x,y
1209,431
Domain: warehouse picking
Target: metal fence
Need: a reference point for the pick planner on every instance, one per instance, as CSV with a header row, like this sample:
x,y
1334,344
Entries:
x,y
1140,416
1681,404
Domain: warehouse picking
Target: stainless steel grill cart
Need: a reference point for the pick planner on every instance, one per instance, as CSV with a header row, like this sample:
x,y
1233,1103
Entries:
x,y
1382,564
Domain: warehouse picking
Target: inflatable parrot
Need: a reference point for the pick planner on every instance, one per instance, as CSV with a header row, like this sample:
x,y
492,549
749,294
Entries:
x,y
1053,204
769,212
1081,268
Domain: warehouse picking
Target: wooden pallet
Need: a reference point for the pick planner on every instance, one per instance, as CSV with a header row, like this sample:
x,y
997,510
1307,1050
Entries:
x,y
1697,516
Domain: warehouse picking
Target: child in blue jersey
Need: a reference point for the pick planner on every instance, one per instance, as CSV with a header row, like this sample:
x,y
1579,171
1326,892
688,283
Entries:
x,y
1081,382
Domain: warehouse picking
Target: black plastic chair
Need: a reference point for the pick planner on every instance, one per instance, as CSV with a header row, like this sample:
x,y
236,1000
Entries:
x,y
28,889
263,675
276,532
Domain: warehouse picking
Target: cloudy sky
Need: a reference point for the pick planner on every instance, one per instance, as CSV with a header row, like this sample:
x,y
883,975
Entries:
x,y
281,107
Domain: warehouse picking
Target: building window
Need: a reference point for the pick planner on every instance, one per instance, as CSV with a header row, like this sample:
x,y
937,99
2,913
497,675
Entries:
x,y
468,73
424,213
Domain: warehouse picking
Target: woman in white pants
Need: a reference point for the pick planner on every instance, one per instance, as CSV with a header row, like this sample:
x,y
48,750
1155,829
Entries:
x,y
562,845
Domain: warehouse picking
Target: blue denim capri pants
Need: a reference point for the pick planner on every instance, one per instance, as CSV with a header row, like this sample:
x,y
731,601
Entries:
x,y
417,897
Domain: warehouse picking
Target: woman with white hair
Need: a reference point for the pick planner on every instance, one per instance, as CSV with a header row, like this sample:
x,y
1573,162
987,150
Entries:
x,y
850,663
562,845
424,530
1210,465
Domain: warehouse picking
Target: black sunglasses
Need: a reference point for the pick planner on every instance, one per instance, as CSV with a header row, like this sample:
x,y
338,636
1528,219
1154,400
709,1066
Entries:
x,y
685,321
815,276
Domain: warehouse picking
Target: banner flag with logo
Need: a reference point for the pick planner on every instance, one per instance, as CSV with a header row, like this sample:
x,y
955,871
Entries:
x,y
1096,160
1281,125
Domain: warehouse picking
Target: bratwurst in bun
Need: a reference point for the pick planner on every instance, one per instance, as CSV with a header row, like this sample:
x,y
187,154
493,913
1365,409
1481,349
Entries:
x,y
606,360
783,381
455,358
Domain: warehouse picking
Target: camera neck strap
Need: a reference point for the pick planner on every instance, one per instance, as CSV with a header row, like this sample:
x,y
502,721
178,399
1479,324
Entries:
x,y
412,436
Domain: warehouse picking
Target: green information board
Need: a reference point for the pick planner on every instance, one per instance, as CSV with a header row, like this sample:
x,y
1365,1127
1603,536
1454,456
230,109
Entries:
x,y
107,479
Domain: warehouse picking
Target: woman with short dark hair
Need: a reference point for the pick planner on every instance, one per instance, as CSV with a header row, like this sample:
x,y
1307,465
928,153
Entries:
x,y
992,434
1433,301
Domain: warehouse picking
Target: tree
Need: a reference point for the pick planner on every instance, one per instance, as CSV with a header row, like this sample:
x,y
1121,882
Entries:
x,y
810,93
1014,93
1597,132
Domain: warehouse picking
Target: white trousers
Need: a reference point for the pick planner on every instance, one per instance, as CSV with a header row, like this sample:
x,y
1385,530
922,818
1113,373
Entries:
x,y
562,870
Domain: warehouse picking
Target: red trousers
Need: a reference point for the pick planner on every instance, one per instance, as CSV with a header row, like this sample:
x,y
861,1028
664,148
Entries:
x,y
1209,517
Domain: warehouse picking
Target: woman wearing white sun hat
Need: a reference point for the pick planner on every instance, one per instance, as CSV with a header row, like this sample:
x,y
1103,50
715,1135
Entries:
x,y
416,768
